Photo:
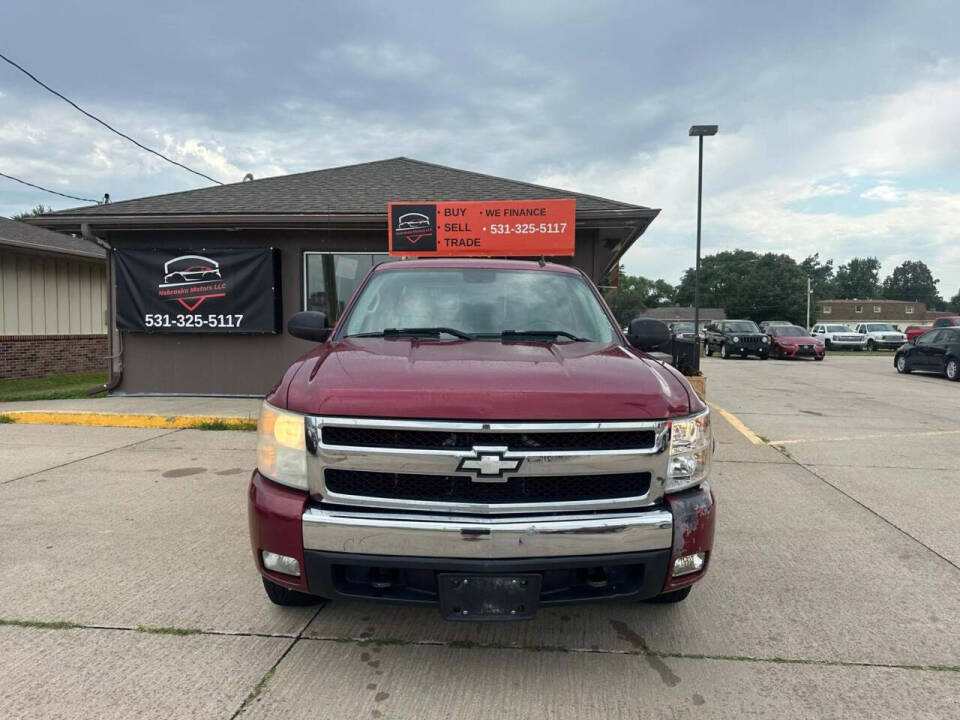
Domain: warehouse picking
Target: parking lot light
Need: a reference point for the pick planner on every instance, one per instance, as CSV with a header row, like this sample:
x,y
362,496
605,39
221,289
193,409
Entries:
x,y
280,563
688,564
699,131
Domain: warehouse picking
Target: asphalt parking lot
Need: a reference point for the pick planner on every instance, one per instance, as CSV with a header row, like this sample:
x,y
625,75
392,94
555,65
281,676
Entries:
x,y
127,588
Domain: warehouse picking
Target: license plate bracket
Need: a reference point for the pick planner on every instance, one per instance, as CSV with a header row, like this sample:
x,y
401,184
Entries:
x,y
488,597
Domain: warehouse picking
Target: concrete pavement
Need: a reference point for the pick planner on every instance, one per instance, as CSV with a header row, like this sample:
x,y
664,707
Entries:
x,y
834,591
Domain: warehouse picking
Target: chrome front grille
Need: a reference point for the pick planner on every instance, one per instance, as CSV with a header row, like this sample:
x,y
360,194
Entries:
x,y
486,468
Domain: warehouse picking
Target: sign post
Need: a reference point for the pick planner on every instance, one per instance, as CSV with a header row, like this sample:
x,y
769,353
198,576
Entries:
x,y
514,228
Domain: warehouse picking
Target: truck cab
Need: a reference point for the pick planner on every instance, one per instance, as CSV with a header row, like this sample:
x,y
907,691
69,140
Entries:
x,y
480,436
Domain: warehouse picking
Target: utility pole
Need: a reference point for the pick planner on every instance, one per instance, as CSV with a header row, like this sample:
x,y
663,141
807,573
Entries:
x,y
809,293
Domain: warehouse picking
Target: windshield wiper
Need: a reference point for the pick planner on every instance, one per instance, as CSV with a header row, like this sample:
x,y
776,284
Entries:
x,y
415,332
511,334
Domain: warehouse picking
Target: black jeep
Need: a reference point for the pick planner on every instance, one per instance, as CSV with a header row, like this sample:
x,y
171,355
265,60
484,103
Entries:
x,y
736,337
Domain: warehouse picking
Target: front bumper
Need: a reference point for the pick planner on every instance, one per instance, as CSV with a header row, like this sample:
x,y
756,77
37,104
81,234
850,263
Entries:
x,y
888,344
342,552
796,352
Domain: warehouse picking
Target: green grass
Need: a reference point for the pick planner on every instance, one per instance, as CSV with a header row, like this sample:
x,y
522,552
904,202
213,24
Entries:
x,y
52,387
862,353
4,419
247,425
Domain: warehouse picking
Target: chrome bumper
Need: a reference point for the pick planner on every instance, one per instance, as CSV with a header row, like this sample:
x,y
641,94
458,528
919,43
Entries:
x,y
482,538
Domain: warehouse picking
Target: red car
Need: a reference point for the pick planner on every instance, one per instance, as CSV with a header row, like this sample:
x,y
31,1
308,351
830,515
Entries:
x,y
916,331
948,321
480,436
792,341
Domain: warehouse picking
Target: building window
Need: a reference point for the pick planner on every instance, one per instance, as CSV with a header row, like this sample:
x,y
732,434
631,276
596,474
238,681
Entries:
x,y
876,308
858,308
340,271
909,309
827,309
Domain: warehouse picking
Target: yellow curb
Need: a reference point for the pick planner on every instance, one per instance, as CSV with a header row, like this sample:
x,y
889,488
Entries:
x,y
738,425
103,419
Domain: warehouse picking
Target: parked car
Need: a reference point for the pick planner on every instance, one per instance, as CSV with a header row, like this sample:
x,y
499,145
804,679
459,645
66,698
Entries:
x,y
683,330
935,351
881,335
455,481
736,337
840,337
913,331
771,323
949,321
792,341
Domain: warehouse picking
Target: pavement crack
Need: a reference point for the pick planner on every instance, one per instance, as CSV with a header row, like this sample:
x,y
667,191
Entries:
x,y
866,507
641,651
88,457
265,680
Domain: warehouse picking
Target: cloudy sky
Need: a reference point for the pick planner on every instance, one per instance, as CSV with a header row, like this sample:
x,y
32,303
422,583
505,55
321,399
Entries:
x,y
838,121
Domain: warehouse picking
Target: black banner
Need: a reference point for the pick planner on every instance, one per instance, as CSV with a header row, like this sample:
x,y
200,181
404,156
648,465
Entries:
x,y
198,291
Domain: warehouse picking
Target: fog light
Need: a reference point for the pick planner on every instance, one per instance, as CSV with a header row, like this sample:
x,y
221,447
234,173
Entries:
x,y
284,564
689,564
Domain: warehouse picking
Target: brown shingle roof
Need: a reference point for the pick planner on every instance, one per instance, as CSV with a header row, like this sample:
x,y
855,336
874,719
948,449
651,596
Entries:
x,y
354,189
21,236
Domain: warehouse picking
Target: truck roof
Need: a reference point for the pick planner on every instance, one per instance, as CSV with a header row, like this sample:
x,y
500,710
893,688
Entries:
x,y
459,263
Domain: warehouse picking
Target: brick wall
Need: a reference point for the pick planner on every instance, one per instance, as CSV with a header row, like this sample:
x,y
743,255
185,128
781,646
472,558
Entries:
x,y
23,356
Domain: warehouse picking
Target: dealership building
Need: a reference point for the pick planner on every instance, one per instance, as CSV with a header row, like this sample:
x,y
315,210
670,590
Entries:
x,y
277,246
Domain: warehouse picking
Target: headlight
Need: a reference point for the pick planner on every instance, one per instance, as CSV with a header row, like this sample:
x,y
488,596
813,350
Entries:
x,y
736,339
765,339
691,447
281,447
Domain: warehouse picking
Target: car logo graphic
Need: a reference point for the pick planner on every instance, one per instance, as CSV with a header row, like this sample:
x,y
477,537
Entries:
x,y
413,221
489,464
191,279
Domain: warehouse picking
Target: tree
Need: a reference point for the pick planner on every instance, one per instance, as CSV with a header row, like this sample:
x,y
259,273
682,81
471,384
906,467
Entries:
x,y
912,280
749,285
635,294
859,278
40,209
955,303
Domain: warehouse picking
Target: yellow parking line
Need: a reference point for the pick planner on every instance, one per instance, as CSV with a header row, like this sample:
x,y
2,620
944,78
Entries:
x,y
738,424
104,419
879,436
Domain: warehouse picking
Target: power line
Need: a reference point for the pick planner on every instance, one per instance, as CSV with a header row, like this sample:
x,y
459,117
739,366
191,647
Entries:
x,y
38,187
108,127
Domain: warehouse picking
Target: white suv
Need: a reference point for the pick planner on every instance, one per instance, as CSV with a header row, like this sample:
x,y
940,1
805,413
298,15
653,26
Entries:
x,y
881,335
838,337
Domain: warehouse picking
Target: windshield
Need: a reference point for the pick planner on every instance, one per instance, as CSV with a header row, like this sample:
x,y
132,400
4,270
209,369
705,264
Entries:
x,y
787,331
744,326
683,327
480,302
838,328
880,327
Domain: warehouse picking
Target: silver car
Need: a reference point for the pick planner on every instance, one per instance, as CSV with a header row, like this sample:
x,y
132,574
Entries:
x,y
838,337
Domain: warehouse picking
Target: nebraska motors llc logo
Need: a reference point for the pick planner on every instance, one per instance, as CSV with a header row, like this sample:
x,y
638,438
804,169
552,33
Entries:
x,y
191,279
414,228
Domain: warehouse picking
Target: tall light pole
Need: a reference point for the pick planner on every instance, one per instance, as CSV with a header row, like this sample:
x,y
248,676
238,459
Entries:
x,y
699,131
809,293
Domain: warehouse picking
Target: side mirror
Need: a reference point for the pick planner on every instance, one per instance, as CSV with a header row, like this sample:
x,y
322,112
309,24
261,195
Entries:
x,y
647,334
310,326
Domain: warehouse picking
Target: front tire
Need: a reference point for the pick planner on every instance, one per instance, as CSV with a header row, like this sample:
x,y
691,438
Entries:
x,y
826,343
709,350
280,595
871,346
952,370
901,363
670,597
723,351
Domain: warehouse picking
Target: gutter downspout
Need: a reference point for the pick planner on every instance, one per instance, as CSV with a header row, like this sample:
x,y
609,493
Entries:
x,y
114,357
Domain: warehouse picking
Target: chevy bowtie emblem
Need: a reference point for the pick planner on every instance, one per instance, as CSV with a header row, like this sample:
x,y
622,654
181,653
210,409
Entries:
x,y
489,464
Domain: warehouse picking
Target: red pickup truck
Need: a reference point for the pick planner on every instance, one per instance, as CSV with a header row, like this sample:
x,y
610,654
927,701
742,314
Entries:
x,y
479,435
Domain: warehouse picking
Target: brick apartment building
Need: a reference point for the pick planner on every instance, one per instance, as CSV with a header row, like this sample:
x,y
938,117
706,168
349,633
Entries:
x,y
53,297
897,312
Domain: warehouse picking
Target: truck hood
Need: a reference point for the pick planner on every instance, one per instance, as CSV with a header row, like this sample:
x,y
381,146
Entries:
x,y
479,380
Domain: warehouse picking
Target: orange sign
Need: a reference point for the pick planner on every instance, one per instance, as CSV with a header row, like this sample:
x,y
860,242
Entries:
x,y
511,228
